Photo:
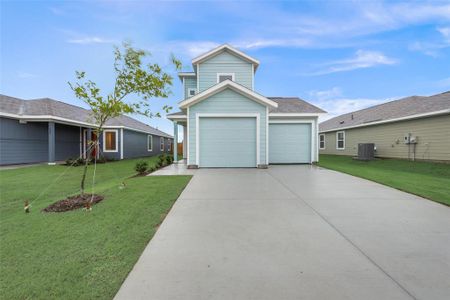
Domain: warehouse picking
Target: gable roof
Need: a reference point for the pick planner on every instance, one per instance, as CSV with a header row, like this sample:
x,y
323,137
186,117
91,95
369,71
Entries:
x,y
406,108
220,49
46,108
225,85
294,105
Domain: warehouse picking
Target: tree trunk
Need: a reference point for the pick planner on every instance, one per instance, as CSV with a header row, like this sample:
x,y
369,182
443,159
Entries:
x,y
86,164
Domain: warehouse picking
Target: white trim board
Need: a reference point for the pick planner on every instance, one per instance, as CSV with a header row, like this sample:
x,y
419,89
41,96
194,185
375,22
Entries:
x,y
121,143
417,116
226,115
222,86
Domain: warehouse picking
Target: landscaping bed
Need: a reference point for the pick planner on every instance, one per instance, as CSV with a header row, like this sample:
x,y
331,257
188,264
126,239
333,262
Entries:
x,y
426,179
74,202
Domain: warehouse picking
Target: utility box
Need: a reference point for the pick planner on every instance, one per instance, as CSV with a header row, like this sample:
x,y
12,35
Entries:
x,y
366,151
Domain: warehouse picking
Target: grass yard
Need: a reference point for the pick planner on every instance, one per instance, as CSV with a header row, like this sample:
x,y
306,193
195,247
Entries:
x,y
426,179
77,255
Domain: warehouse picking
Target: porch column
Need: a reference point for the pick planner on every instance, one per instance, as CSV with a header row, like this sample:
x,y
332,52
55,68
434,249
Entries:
x,y
51,143
185,141
175,141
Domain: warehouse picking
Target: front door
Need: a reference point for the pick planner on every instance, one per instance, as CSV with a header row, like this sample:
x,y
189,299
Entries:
x,y
86,144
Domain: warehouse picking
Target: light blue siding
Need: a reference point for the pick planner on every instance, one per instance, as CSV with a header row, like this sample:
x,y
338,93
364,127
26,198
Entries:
x,y
225,63
189,83
289,143
227,101
227,142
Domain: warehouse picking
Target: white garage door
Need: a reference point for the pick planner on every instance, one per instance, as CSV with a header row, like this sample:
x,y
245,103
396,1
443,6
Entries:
x,y
289,143
227,142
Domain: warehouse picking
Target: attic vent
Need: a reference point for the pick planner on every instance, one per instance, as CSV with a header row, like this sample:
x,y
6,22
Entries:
x,y
341,122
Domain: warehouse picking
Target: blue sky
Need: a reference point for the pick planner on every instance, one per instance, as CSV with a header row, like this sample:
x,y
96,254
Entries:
x,y
339,55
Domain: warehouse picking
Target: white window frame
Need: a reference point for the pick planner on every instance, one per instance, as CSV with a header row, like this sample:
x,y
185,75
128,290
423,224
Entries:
x,y
161,143
324,144
225,74
337,140
189,92
169,142
117,140
150,138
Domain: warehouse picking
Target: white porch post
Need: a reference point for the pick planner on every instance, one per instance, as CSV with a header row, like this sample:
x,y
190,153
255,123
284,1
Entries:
x,y
175,141
185,141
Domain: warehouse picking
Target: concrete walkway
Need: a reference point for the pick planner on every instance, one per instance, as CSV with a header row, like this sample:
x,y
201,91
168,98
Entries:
x,y
295,232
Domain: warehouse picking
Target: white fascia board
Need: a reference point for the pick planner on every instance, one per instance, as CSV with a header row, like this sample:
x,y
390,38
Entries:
x,y
177,117
48,118
182,75
288,115
417,116
222,86
203,57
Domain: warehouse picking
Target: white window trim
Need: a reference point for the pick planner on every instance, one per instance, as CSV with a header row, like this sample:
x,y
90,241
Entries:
x,y
117,140
161,143
343,140
324,143
189,92
226,115
150,137
225,74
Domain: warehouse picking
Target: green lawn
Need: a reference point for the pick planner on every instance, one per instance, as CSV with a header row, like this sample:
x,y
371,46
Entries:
x,y
77,255
426,179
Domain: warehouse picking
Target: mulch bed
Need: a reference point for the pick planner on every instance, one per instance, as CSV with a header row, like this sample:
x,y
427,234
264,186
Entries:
x,y
73,202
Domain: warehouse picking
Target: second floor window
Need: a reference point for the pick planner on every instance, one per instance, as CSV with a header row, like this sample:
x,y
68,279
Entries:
x,y
191,92
224,76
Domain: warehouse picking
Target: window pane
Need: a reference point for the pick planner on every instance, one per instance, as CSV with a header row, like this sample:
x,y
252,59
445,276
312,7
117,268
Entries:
x,y
340,144
340,135
149,142
110,140
225,77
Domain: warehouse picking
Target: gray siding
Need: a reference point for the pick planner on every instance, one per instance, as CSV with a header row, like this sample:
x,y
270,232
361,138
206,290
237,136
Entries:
x,y
23,143
433,139
67,142
28,143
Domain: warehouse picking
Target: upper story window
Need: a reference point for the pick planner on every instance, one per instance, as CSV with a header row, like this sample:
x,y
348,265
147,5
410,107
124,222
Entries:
x,y
224,76
191,92
340,140
321,141
110,141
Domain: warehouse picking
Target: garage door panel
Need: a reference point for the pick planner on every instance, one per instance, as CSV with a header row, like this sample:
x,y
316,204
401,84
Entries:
x,y
289,143
227,142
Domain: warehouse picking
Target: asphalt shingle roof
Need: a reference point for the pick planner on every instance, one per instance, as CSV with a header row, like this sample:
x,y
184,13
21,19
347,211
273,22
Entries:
x,y
293,105
405,107
50,107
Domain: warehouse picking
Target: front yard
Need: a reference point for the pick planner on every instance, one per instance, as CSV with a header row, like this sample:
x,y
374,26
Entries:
x,y
426,179
77,255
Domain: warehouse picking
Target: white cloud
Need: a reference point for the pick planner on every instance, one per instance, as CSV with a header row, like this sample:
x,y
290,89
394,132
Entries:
x,y
326,94
362,59
433,48
265,43
25,75
91,40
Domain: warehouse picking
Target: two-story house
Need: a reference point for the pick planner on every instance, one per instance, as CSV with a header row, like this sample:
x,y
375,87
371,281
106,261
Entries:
x,y
227,123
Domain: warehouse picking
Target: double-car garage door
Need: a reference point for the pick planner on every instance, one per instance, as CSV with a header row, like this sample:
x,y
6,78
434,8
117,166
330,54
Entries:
x,y
232,142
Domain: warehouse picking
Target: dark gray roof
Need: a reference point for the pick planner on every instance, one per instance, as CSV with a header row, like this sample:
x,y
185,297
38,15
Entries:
x,y
54,108
293,105
405,107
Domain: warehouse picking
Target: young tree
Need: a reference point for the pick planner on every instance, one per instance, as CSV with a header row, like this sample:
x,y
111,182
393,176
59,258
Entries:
x,y
135,83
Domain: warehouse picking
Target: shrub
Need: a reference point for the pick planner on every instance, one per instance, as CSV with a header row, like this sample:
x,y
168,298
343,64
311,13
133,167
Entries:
x,y
141,167
169,159
75,162
152,169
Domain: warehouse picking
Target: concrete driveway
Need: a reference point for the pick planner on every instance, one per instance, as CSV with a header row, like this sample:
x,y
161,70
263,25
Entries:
x,y
295,232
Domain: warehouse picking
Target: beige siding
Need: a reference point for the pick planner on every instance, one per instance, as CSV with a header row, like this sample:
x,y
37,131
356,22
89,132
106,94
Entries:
x,y
433,139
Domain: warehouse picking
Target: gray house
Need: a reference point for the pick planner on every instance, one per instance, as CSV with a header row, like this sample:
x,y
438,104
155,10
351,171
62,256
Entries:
x,y
46,130
416,127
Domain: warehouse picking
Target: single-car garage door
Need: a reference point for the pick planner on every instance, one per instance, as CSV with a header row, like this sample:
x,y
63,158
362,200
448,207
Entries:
x,y
289,143
227,142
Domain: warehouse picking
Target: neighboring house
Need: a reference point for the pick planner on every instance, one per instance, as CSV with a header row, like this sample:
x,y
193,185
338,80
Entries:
x,y
46,130
414,127
227,124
